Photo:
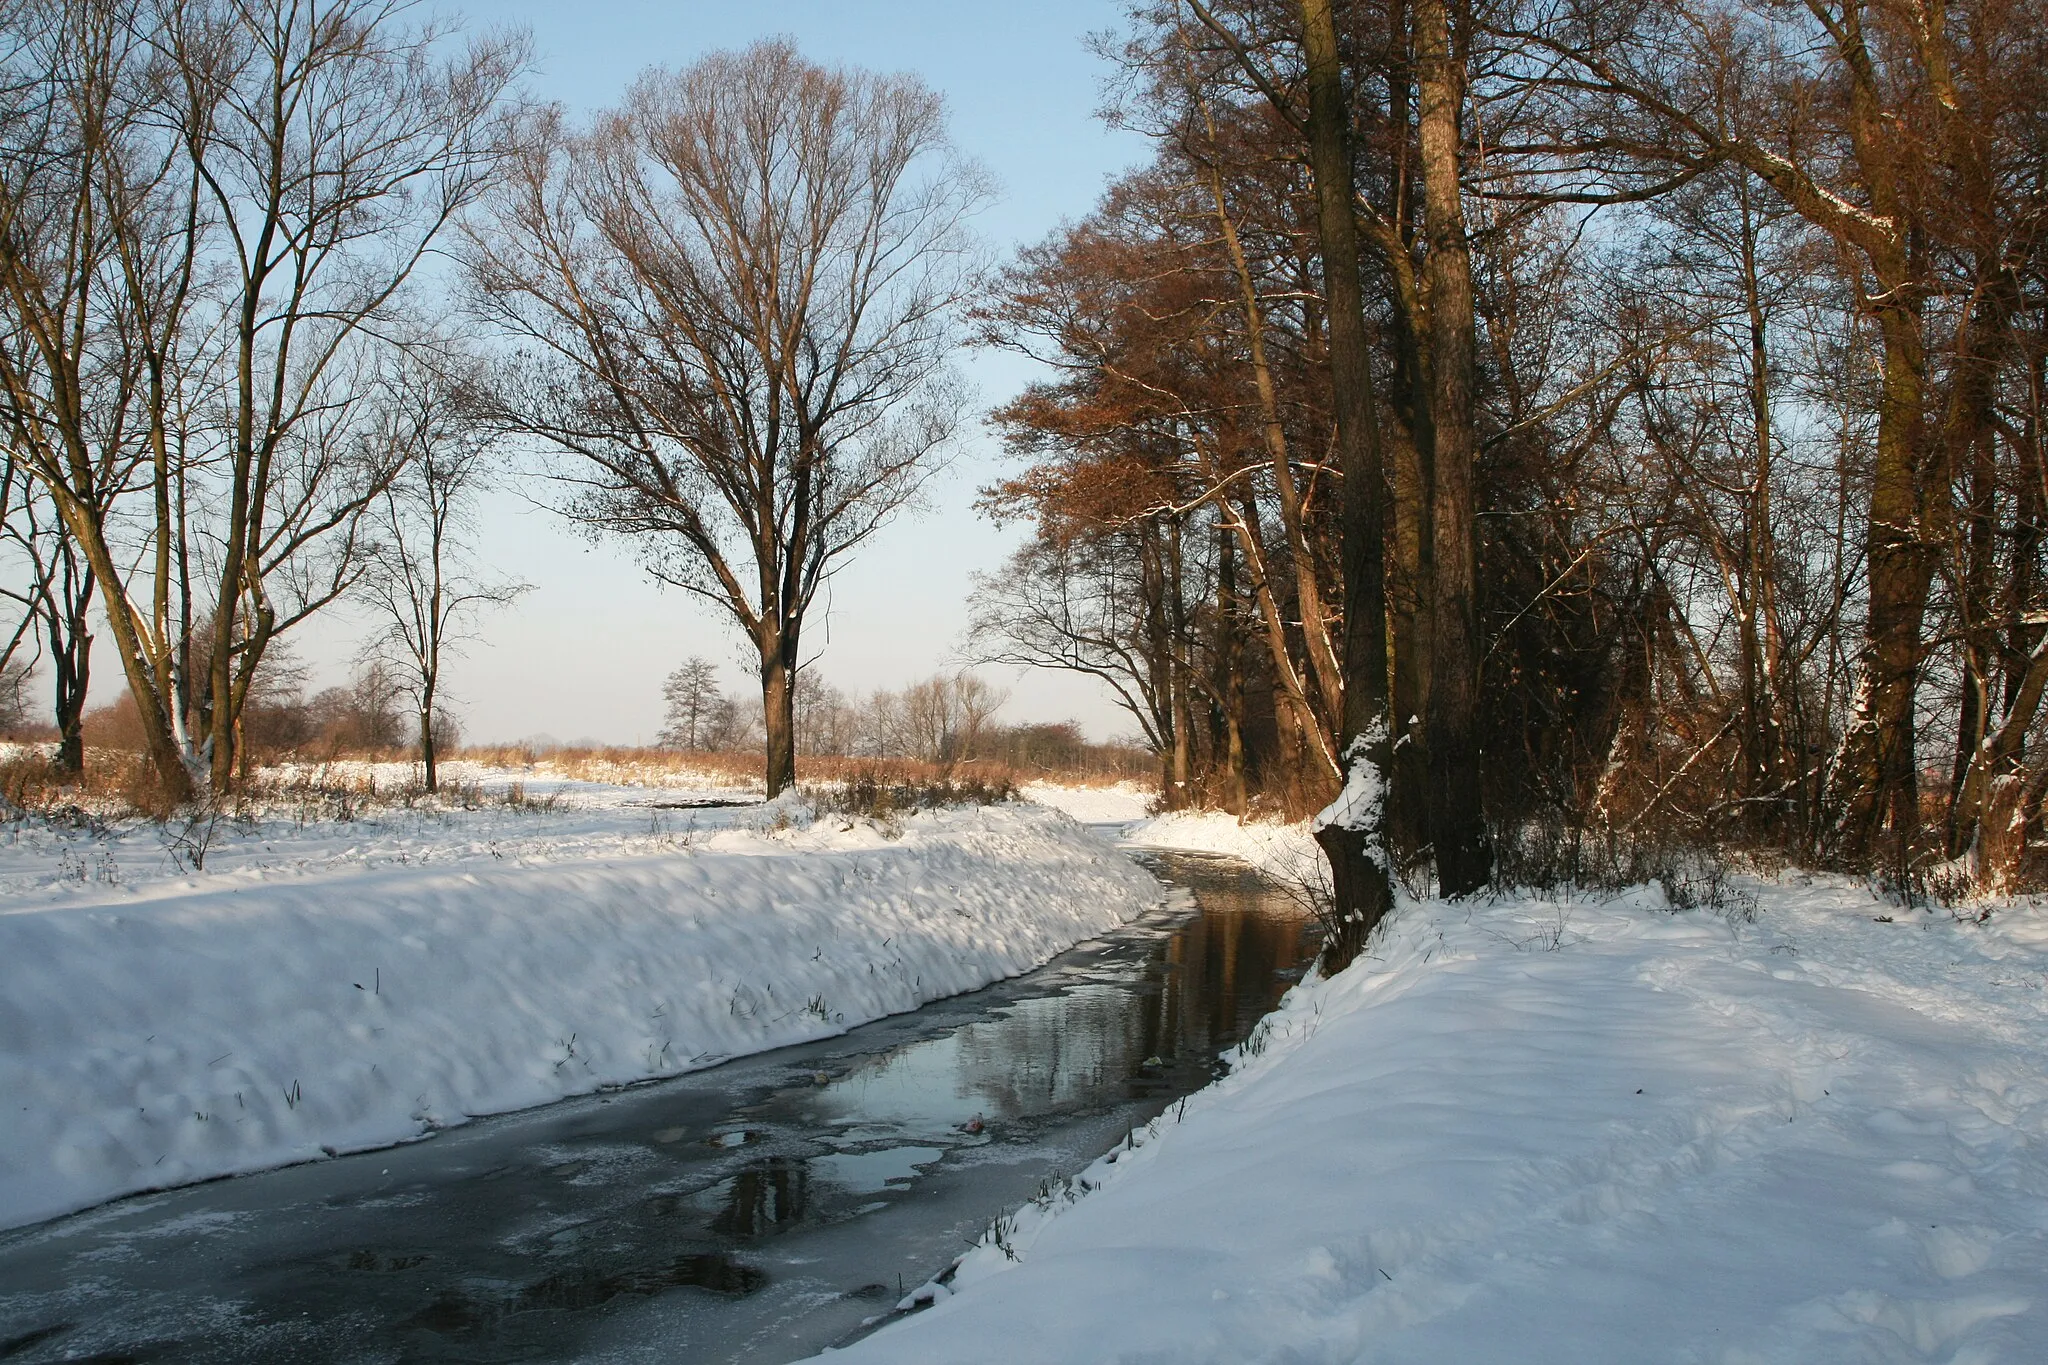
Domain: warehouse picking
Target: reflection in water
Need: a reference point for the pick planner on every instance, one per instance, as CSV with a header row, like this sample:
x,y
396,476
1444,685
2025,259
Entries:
x,y
763,1198
470,1312
746,1213
1141,1034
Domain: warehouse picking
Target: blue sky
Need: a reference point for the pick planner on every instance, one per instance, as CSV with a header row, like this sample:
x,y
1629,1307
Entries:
x,y
583,655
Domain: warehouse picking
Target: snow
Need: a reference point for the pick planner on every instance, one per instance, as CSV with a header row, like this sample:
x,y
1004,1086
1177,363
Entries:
x,y
1574,1131
1113,805
1358,805
1283,852
332,984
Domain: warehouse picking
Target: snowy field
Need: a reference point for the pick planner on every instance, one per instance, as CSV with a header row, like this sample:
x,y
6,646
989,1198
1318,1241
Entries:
x,y
329,984
1583,1131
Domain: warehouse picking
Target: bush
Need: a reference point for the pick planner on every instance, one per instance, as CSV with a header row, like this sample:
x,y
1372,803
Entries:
x,y
1553,858
114,785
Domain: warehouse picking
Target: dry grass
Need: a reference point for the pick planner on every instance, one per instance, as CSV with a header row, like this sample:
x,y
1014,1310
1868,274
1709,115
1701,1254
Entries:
x,y
114,785
630,767
879,791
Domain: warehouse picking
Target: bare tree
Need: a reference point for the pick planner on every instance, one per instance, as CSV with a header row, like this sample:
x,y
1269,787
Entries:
x,y
213,215
738,292
421,580
824,719
945,716
692,694
56,597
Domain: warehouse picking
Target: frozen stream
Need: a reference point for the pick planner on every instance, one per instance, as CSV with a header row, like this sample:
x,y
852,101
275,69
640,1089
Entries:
x,y
758,1211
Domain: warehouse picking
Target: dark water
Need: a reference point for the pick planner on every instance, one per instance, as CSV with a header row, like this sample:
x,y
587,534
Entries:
x,y
759,1211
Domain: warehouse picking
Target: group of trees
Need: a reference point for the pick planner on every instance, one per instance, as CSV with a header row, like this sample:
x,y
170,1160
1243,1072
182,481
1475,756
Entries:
x,y
1623,412
238,385
1705,343
220,399
947,718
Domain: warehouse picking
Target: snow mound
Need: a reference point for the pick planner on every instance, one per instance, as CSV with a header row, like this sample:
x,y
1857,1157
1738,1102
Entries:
x,y
1120,804
1575,1132
1284,852
162,1028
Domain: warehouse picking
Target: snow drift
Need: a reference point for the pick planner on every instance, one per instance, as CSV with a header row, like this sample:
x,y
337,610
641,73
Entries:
x,y
1577,1132
169,1030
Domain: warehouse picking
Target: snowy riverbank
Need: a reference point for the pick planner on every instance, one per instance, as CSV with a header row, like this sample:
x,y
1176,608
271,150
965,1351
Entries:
x,y
349,984
1588,1131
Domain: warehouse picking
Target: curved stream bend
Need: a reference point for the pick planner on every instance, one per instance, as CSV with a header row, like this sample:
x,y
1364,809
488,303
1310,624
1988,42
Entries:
x,y
754,1212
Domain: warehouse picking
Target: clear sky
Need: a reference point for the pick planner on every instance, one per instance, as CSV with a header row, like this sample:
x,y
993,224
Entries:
x,y
583,655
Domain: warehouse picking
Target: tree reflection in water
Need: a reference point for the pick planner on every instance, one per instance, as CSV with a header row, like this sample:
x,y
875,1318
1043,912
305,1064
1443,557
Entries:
x,y
764,1197
1203,986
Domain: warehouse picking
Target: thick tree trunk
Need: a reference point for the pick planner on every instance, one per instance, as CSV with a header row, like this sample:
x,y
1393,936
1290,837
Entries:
x,y
1354,841
1457,823
1409,601
153,708
1968,440
778,710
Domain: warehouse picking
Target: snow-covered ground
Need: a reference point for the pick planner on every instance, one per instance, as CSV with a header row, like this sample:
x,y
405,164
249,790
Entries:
x,y
1284,852
1581,1131
328,984
1119,804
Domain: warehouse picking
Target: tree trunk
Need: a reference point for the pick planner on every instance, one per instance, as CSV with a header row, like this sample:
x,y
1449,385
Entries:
x,y
71,670
1354,842
1876,783
1229,682
1324,670
1457,823
1409,601
1969,442
778,709
154,709
1764,688
66,625
1179,689
427,756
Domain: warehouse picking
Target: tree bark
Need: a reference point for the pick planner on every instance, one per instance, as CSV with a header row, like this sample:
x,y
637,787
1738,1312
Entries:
x,y
1876,783
427,755
1356,847
1457,822
1229,683
778,707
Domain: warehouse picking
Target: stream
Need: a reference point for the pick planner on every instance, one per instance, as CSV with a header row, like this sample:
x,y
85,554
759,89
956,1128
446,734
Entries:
x,y
758,1211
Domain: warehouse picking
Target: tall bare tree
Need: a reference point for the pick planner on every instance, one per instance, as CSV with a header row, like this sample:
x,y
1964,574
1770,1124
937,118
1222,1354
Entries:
x,y
421,580
738,296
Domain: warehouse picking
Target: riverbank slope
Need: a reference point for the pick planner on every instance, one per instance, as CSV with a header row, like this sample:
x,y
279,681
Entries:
x,y
1584,1130
342,984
